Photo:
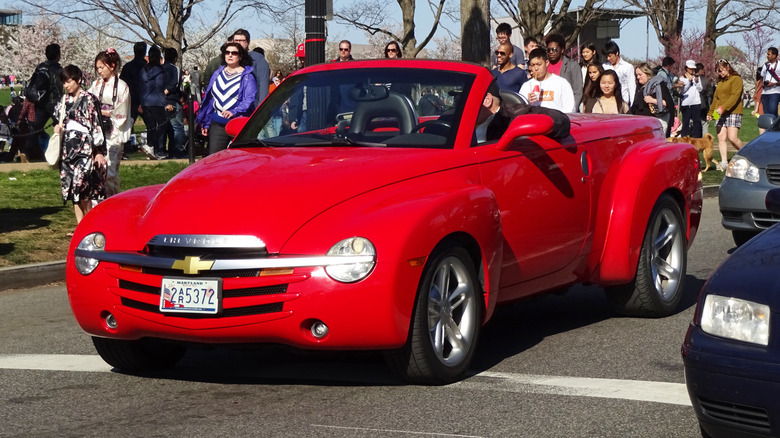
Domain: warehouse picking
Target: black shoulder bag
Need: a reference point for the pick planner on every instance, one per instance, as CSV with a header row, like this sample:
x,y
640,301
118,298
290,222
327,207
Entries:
x,y
105,121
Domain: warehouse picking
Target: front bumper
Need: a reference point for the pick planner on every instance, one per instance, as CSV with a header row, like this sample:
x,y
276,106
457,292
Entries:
x,y
743,204
733,386
266,305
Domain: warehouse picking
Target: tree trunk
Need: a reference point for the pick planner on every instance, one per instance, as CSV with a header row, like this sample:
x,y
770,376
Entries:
x,y
475,31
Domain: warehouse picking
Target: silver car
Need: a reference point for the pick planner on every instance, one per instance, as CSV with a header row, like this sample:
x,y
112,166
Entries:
x,y
751,173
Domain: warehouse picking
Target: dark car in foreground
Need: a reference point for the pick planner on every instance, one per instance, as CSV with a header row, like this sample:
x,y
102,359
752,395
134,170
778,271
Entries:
x,y
732,348
751,173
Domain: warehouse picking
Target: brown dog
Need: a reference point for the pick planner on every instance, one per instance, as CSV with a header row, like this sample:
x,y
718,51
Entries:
x,y
701,144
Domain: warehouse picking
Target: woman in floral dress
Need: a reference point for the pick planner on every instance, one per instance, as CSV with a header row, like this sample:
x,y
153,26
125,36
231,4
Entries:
x,y
83,163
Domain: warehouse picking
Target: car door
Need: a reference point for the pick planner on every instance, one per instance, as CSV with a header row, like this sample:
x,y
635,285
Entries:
x,y
543,192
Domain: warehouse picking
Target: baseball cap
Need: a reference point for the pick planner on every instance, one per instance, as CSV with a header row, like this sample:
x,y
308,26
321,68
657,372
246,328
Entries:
x,y
300,51
690,63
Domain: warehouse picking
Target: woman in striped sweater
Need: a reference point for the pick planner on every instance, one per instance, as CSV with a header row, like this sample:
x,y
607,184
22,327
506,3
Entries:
x,y
230,93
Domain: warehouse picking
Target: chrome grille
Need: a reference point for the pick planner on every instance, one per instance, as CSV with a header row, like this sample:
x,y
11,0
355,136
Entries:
x,y
236,273
737,415
773,173
765,220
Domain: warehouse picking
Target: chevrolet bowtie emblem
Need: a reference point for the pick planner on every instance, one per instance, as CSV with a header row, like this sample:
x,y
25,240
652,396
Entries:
x,y
193,265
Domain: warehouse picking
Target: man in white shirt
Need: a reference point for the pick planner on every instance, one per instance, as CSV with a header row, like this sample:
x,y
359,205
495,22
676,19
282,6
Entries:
x,y
546,89
625,71
691,103
770,96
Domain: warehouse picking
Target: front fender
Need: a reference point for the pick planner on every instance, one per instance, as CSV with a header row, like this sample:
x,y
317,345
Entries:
x,y
648,170
405,221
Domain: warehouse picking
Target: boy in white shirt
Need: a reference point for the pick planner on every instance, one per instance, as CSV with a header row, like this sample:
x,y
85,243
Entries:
x,y
546,89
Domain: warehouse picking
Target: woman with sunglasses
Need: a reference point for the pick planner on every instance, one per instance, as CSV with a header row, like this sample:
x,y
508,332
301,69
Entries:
x,y
231,93
726,108
393,50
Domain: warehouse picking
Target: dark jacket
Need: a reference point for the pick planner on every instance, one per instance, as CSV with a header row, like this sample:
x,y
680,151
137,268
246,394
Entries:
x,y
152,86
171,84
572,72
131,74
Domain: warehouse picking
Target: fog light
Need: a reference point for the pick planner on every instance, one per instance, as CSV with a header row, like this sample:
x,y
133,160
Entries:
x,y
319,330
111,321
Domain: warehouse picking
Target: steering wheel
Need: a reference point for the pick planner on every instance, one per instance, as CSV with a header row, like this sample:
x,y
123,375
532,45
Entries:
x,y
440,125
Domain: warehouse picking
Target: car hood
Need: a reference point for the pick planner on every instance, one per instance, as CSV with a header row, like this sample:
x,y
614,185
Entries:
x,y
750,273
272,192
763,150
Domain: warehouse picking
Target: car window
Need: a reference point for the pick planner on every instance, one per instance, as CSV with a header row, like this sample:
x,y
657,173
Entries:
x,y
389,107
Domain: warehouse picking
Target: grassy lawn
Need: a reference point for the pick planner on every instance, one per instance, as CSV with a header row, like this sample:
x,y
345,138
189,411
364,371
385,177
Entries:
x,y
33,220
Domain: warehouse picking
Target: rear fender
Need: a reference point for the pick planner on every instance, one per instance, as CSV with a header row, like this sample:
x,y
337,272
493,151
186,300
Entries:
x,y
647,171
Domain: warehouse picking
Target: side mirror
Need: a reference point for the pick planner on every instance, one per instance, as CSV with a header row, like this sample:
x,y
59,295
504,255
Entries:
x,y
525,125
773,201
765,121
235,126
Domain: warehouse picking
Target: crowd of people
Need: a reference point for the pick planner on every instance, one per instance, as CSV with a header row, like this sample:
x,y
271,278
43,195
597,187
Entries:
x,y
684,104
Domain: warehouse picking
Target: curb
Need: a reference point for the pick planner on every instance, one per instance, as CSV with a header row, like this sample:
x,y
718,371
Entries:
x,y
39,274
36,274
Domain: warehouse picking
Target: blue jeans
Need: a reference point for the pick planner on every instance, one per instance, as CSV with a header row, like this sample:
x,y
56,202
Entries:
x,y
176,144
770,102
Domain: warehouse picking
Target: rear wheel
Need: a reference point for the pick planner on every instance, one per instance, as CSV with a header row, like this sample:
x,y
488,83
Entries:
x,y
446,320
138,356
742,236
658,285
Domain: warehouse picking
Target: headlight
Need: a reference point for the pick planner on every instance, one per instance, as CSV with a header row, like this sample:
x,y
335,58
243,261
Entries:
x,y
736,319
93,242
741,168
351,272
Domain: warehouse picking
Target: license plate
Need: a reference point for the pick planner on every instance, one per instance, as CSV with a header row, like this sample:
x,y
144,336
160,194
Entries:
x,y
191,295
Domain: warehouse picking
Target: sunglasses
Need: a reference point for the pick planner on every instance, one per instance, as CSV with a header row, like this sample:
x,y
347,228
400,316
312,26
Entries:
x,y
343,49
552,50
722,61
391,51
231,52
500,53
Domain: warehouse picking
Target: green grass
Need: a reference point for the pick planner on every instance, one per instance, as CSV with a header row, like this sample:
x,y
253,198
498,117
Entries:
x,y
33,220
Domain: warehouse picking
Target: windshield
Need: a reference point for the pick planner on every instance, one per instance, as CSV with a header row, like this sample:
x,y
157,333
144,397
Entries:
x,y
387,107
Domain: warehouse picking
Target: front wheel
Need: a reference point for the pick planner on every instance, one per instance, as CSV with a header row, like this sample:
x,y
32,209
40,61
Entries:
x,y
446,321
658,285
138,356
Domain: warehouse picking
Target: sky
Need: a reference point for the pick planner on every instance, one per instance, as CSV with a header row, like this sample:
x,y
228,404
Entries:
x,y
636,40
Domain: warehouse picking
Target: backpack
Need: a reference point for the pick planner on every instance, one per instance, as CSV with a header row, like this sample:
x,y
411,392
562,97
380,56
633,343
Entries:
x,y
39,88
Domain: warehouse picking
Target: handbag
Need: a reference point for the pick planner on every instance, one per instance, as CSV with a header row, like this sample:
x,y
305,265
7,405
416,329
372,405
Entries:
x,y
54,150
105,121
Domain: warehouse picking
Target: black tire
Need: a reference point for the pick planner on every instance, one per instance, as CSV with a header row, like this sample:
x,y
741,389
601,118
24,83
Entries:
x,y
659,281
741,237
138,356
442,339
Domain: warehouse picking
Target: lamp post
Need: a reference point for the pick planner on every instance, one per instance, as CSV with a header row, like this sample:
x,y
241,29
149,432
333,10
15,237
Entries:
x,y
315,13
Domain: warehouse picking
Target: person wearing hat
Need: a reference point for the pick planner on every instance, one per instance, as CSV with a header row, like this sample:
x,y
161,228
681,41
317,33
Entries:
x,y
300,53
691,101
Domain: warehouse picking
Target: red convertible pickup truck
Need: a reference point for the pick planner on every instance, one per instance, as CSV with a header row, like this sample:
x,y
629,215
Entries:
x,y
363,206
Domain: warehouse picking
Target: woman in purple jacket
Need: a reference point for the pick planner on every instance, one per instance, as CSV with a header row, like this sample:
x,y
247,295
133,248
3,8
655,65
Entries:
x,y
231,93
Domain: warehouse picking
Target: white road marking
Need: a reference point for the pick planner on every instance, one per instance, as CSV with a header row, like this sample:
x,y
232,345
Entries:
x,y
656,392
54,362
405,432
639,390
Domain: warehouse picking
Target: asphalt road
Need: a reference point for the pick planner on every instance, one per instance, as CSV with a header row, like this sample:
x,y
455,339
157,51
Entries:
x,y
559,366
